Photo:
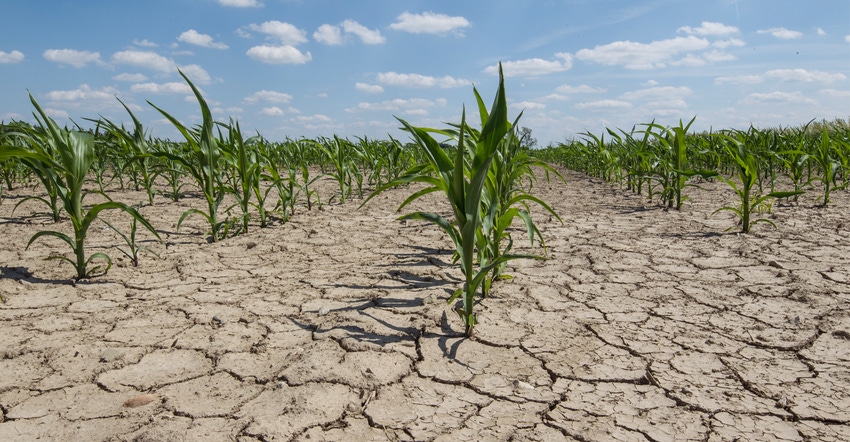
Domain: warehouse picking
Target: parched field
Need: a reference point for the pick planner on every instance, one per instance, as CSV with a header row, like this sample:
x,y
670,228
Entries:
x,y
644,325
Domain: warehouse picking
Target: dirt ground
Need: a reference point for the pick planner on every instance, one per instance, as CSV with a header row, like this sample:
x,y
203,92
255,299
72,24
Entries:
x,y
644,325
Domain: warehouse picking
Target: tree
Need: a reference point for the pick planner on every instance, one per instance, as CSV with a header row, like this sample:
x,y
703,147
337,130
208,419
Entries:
x,y
525,138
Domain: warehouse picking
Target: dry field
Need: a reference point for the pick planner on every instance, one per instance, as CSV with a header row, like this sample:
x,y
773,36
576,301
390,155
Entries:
x,y
645,325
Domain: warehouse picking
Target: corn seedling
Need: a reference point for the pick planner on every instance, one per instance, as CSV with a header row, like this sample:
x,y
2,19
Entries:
x,y
133,247
748,172
462,178
202,163
75,155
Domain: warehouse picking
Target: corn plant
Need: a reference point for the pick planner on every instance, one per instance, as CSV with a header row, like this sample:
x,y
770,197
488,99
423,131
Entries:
x,y
676,170
827,157
462,178
748,166
202,163
133,246
134,147
75,155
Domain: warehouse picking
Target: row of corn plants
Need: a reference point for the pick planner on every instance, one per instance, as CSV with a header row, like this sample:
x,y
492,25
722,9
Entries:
x,y
242,179
759,165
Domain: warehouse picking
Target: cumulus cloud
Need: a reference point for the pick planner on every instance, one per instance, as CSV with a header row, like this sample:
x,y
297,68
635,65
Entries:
x,y
194,37
846,38
582,89
145,43
632,55
820,31
328,34
241,3
82,93
805,76
429,23
533,67
710,28
835,93
286,33
11,57
657,93
145,59
161,88
72,57
273,111
285,54
420,81
781,33
134,78
367,36
723,44
400,104
526,105
603,104
739,79
801,75
369,88
777,97
268,97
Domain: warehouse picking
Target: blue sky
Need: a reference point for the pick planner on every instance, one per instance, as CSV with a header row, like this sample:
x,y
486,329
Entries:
x,y
308,68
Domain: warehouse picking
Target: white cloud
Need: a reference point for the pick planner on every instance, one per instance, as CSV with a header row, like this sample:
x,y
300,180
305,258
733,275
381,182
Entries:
x,y
196,73
268,97
145,43
400,104
835,93
56,113
526,105
134,78
634,55
723,44
419,81
847,38
195,38
710,28
316,118
286,33
241,3
739,79
369,88
805,76
820,31
533,67
11,57
366,35
714,56
328,34
145,59
777,97
278,54
72,57
161,88
603,104
273,111
657,93
782,33
583,89
83,93
429,23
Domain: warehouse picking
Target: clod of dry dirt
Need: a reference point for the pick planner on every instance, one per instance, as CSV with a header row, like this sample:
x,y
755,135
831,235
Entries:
x,y
643,325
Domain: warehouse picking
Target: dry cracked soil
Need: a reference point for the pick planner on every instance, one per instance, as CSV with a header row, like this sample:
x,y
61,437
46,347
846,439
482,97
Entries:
x,y
643,325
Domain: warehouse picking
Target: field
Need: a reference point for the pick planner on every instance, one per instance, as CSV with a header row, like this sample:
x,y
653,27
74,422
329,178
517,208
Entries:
x,y
645,325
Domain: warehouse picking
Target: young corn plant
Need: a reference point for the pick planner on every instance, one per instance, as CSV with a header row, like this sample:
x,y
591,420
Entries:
x,y
75,154
750,199
133,246
202,163
135,147
462,178
827,157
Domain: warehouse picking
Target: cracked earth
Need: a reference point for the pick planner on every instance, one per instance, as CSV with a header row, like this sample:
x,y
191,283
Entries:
x,y
644,325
